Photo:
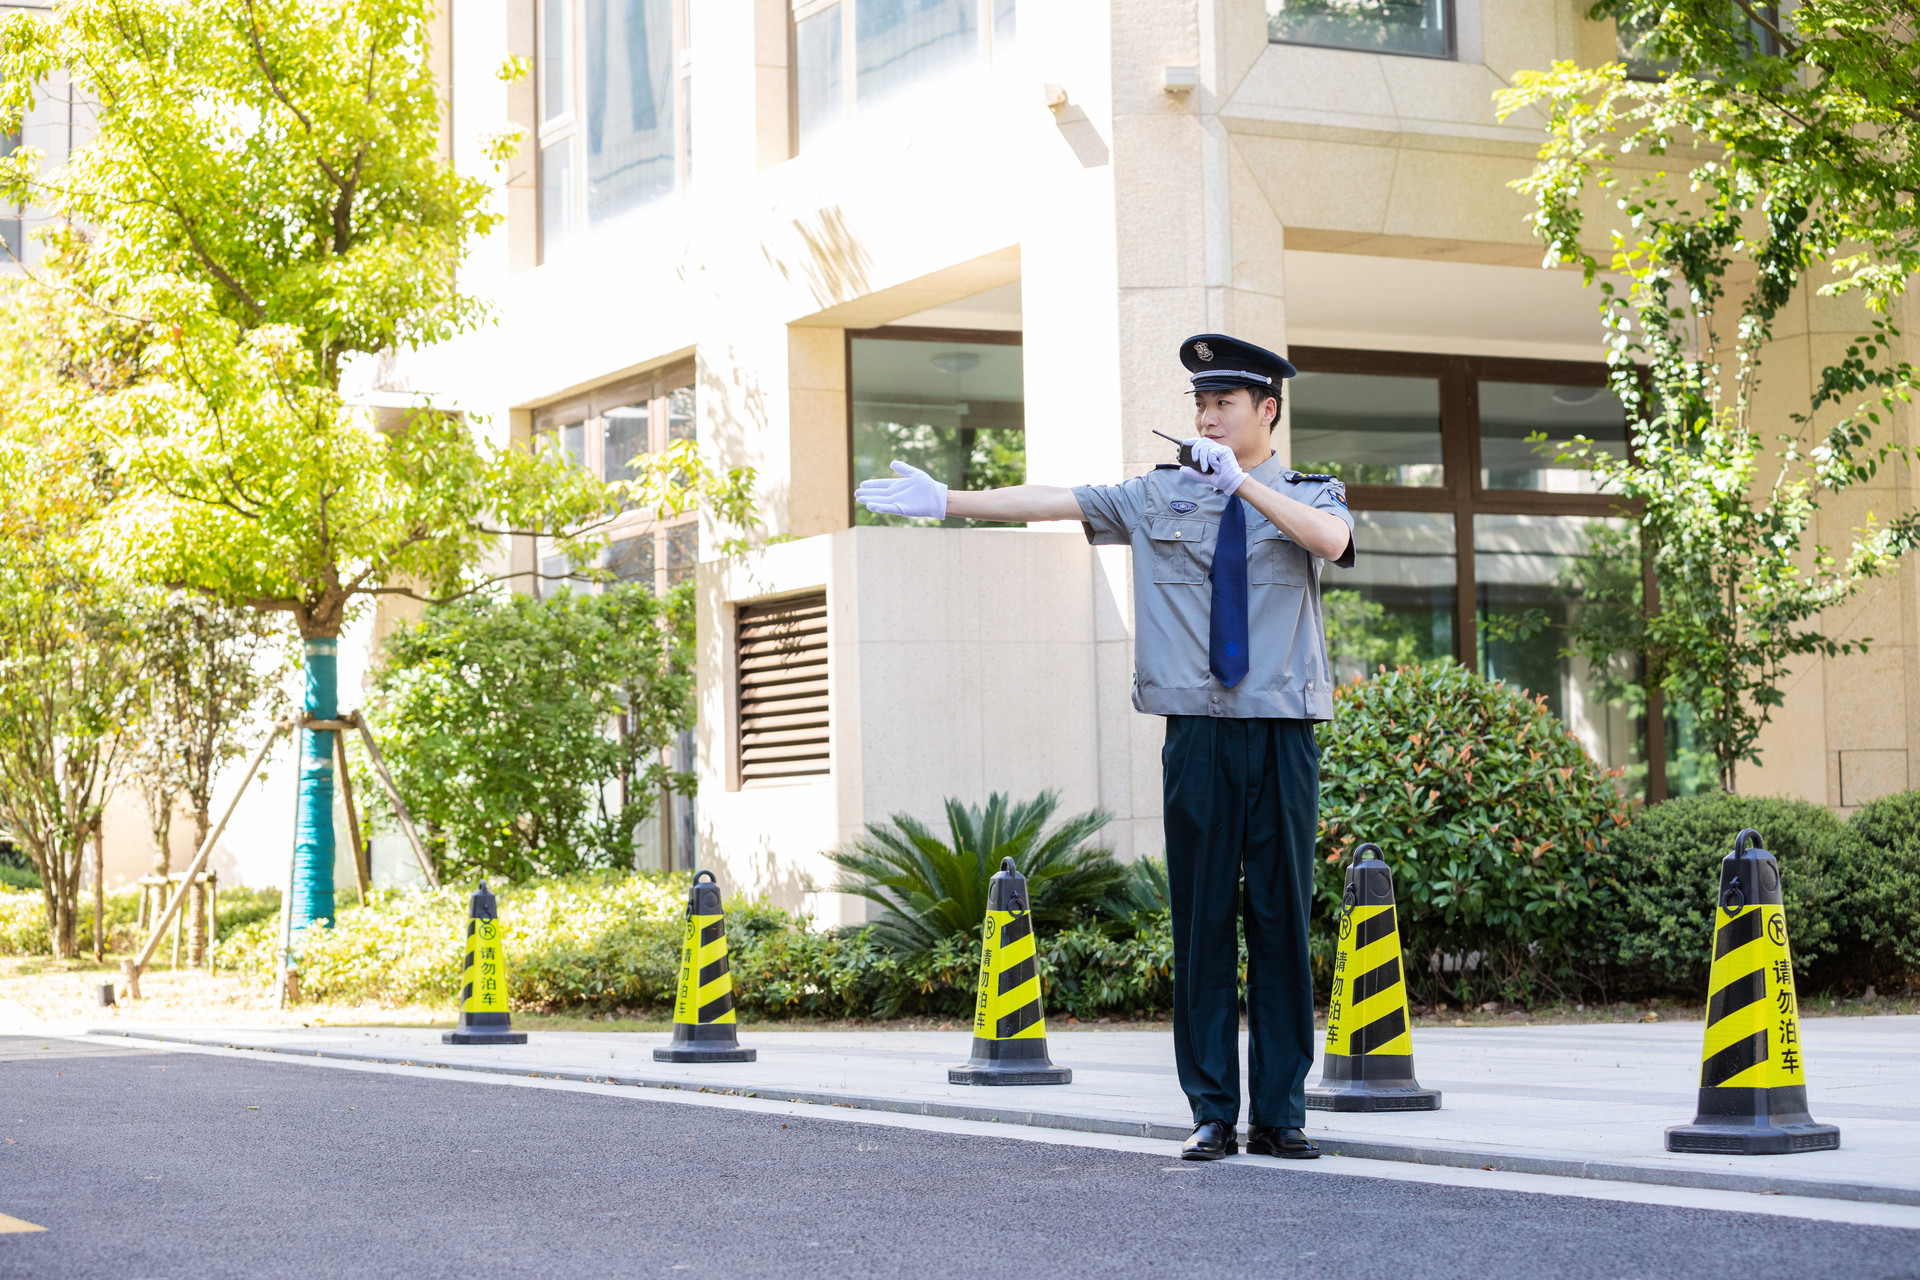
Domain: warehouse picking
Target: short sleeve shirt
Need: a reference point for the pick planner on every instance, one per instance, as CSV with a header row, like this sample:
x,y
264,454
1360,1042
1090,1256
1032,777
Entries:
x,y
1172,521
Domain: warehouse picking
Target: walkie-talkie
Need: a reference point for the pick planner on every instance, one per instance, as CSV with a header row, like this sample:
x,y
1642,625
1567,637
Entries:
x,y
1186,450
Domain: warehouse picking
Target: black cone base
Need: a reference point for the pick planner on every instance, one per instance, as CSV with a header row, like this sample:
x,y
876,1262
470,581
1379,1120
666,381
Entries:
x,y
1365,1095
483,1035
705,1042
1370,1082
1012,1073
1745,1140
1009,1062
701,1053
1753,1122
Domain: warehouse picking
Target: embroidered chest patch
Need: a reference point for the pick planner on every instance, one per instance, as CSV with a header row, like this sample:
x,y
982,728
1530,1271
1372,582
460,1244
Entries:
x,y
1184,508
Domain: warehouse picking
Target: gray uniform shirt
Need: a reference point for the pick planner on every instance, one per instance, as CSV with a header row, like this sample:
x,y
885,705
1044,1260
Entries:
x,y
1171,521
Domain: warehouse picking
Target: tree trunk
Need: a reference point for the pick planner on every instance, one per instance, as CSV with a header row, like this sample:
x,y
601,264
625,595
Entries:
x,y
312,888
99,895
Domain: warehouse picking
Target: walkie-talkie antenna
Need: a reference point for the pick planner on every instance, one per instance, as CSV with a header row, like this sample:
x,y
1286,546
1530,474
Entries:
x,y
1186,450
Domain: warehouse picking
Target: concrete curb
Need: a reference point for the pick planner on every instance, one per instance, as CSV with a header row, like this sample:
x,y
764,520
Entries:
x,y
1454,1155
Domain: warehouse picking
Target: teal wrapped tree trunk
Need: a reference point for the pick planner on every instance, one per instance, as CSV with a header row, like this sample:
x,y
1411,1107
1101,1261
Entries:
x,y
313,832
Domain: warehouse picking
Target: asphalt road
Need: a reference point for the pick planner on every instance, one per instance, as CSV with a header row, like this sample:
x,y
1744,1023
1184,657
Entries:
x,y
149,1164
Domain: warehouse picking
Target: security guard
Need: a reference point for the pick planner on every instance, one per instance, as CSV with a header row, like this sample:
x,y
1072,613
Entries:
x,y
1230,647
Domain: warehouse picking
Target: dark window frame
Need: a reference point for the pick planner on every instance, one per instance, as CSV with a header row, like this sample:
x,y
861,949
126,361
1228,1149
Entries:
x,y
655,388
1461,494
1451,55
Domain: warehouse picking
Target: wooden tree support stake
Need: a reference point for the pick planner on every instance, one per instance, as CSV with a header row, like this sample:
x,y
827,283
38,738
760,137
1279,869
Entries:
x,y
132,968
393,794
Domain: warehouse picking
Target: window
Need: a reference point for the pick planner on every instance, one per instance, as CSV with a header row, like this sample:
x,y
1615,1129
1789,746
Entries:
x,y
606,433
615,130
852,53
1474,540
951,402
1421,28
1633,43
13,241
780,664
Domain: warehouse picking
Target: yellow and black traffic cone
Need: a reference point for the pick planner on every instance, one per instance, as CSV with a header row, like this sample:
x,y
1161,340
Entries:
x,y
703,1020
1009,1029
1753,1084
483,987
1369,1060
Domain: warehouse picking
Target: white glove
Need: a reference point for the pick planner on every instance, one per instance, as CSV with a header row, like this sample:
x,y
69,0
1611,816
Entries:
x,y
915,493
1215,464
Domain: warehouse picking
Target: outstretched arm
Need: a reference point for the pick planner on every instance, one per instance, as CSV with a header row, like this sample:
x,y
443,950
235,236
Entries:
x,y
915,493
1016,504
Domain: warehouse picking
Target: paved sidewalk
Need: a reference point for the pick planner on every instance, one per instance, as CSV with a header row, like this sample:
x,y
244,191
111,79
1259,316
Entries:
x,y
1573,1101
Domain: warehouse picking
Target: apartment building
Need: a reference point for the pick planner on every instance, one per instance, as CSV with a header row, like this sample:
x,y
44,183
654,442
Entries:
x,y
817,235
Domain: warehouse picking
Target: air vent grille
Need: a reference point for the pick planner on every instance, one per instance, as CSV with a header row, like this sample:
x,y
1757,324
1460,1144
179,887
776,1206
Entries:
x,y
781,663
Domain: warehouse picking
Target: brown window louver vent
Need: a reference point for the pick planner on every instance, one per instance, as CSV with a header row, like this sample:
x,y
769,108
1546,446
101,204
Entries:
x,y
781,656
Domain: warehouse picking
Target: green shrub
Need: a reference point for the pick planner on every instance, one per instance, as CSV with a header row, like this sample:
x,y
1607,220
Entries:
x,y
601,942
1496,823
570,943
1657,925
931,891
1877,885
494,711
23,920
23,924
12,877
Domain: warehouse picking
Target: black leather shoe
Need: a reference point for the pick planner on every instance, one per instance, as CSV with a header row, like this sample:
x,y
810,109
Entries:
x,y
1210,1140
1276,1140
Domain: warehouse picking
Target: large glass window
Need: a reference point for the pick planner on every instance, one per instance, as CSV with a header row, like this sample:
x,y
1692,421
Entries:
x,y
951,404
1474,540
1423,28
606,433
615,84
1368,428
898,41
1530,581
853,53
819,90
1525,425
1396,606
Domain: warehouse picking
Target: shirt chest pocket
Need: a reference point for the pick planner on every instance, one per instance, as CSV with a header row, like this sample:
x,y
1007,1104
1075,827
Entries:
x,y
1274,560
1180,552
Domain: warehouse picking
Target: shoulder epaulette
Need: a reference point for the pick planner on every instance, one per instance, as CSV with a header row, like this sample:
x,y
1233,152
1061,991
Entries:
x,y
1299,476
1166,466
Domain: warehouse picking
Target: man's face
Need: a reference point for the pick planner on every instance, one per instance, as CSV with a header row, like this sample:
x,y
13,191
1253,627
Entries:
x,y
1232,418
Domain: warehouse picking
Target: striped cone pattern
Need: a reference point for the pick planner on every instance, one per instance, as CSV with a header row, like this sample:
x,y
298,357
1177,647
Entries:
x,y
1369,1059
703,1019
1753,1084
484,1018
1009,1028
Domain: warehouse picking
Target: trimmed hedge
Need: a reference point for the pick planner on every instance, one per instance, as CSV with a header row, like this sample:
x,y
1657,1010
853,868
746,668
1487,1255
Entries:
x,y
1497,825
1656,926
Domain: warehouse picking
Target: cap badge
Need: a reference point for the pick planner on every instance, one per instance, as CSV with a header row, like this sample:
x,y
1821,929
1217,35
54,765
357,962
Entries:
x,y
1203,351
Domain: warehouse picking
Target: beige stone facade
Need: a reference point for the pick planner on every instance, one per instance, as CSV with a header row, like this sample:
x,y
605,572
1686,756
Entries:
x,y
1106,180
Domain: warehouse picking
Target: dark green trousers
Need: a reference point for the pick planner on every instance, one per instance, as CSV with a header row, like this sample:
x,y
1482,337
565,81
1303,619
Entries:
x,y
1241,809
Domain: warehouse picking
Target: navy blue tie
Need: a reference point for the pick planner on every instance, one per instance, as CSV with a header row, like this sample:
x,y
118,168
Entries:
x,y
1227,625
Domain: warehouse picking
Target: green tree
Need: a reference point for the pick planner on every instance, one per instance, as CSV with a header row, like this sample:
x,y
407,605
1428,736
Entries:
x,y
1773,159
213,679
265,202
508,721
70,678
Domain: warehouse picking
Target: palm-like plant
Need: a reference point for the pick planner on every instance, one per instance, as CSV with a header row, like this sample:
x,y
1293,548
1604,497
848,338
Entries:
x,y
932,890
